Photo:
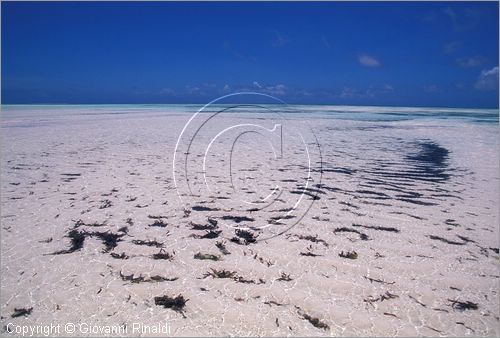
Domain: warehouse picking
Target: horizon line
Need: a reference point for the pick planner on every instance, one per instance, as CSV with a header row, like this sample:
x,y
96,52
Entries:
x,y
290,104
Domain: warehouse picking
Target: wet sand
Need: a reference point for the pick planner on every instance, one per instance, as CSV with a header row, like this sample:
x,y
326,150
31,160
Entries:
x,y
401,237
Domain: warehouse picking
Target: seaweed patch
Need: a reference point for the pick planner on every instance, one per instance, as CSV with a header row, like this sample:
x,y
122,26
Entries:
x,y
362,236
349,254
244,237
18,312
174,303
462,306
77,240
222,248
206,256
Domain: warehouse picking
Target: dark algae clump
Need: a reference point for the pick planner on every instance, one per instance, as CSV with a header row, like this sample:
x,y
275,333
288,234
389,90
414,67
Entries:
x,y
222,247
205,256
244,237
284,277
174,303
349,254
363,236
316,322
158,223
462,306
18,312
147,243
220,274
109,239
77,240
162,254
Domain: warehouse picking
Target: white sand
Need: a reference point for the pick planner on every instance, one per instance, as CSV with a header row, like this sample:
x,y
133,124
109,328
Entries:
x,y
127,159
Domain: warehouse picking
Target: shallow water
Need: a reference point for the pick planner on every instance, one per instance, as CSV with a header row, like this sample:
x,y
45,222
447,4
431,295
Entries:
x,y
336,112
413,191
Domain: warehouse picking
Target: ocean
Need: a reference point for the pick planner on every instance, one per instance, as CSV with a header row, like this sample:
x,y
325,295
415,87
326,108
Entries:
x,y
366,113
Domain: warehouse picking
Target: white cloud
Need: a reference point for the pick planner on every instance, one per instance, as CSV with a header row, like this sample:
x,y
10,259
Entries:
x,y
277,90
470,62
432,88
195,90
375,91
348,93
303,92
192,89
464,19
451,14
488,79
451,47
368,61
279,40
167,91
371,92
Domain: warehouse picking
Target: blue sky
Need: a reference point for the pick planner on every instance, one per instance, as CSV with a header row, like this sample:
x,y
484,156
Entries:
x,y
392,53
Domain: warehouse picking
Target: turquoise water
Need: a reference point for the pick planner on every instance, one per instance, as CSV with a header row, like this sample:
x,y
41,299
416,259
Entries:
x,y
404,113
364,113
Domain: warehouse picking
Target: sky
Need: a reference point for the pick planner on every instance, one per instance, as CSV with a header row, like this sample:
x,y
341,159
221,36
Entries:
x,y
442,54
